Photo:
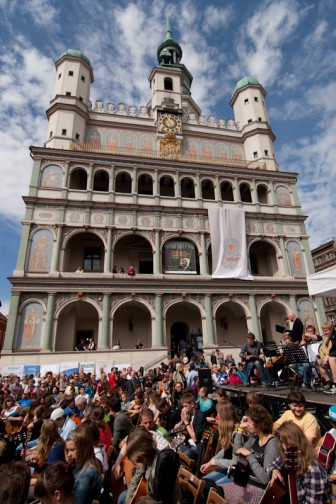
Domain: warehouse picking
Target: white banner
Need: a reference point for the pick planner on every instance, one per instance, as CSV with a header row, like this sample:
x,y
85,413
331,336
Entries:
x,y
54,368
15,369
87,367
69,367
228,243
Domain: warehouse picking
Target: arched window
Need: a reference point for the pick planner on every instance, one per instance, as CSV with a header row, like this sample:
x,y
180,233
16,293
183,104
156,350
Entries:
x,y
101,181
78,179
167,186
226,191
145,184
208,190
187,188
168,84
262,193
123,183
245,193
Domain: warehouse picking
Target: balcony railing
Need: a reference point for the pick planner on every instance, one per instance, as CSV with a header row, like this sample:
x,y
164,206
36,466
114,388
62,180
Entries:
x,y
154,154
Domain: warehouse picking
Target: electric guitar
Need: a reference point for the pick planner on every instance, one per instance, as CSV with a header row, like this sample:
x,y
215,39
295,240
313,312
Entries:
x,y
326,453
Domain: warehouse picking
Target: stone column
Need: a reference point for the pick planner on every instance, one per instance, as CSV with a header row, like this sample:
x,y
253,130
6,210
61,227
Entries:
x,y
65,183
134,185
292,304
236,192
156,188
218,196
89,183
11,323
198,192
308,256
35,178
178,190
23,249
157,337
104,334
56,250
254,318
46,340
157,255
108,263
296,199
274,199
203,262
208,335
284,256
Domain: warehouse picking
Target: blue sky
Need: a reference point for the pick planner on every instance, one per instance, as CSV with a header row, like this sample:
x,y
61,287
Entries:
x,y
289,45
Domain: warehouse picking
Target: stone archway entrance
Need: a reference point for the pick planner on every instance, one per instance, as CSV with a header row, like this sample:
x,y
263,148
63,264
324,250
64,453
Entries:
x,y
77,320
272,314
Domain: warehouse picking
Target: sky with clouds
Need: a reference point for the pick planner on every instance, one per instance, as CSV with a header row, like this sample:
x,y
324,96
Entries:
x,y
289,45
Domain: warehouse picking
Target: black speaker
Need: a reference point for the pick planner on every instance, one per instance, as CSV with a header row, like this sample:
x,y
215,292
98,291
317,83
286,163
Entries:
x,y
205,379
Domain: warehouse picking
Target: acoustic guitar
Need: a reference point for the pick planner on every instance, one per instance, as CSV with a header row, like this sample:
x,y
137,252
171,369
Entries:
x,y
326,345
141,491
326,453
284,493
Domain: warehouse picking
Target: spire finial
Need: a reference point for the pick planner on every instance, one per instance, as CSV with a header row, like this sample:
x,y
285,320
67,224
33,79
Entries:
x,y
169,34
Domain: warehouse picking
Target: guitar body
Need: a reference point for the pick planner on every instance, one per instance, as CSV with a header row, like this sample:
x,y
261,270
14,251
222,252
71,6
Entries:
x,y
275,494
201,452
241,472
326,453
141,491
325,348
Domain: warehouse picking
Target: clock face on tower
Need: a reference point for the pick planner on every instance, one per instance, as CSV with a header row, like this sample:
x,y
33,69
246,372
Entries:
x,y
170,123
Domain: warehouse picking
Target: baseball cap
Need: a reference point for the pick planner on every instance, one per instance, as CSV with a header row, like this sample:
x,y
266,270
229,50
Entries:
x,y
332,413
57,413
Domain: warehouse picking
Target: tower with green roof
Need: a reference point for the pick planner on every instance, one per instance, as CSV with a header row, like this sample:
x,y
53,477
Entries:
x,y
250,112
170,80
68,111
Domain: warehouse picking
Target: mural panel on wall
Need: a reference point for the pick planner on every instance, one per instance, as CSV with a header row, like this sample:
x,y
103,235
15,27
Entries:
x,y
295,257
180,257
29,337
283,196
40,251
52,176
306,313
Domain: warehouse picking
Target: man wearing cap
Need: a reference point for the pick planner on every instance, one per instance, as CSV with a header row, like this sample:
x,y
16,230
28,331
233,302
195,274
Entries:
x,y
64,423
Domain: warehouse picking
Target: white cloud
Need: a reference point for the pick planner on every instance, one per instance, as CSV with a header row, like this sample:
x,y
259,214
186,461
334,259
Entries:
x,y
263,36
215,18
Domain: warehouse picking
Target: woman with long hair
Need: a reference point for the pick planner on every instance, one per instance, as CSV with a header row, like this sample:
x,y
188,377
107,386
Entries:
x,y
311,479
55,485
257,453
105,436
228,423
79,453
50,447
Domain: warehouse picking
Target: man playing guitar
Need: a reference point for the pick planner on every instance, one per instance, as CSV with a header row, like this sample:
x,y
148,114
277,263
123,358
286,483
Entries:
x,y
329,341
253,354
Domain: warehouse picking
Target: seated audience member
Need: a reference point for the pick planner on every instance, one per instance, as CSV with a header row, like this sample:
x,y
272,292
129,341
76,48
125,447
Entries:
x,y
55,485
298,414
260,450
138,345
136,406
229,360
191,373
215,376
241,371
99,448
223,374
169,416
228,423
91,345
15,480
177,394
122,422
125,402
253,398
63,422
311,479
81,346
142,451
105,436
205,404
79,453
50,448
195,387
332,471
234,378
194,422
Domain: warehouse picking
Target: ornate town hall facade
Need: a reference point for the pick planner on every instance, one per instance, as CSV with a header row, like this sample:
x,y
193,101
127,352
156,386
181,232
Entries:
x,y
116,186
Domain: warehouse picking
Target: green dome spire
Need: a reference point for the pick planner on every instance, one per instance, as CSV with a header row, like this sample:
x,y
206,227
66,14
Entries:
x,y
169,33
76,54
169,52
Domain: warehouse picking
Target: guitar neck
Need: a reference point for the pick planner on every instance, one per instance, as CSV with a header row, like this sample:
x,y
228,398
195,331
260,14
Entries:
x,y
292,489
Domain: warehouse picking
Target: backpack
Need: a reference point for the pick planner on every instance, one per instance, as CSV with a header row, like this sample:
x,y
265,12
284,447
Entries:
x,y
166,474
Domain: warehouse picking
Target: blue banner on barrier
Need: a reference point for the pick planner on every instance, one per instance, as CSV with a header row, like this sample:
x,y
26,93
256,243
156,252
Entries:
x,y
31,369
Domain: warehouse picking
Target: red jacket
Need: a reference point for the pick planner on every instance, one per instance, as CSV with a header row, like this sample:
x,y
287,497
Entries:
x,y
235,379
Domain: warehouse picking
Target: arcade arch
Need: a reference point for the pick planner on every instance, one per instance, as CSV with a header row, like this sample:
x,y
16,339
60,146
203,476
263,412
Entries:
x,y
132,321
183,322
263,259
272,313
230,324
78,179
85,250
123,183
76,320
133,250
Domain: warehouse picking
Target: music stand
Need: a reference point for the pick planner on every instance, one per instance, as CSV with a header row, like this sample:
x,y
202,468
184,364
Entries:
x,y
271,349
295,354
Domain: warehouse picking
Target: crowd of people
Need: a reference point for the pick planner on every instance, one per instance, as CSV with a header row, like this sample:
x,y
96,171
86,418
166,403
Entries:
x,y
66,438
